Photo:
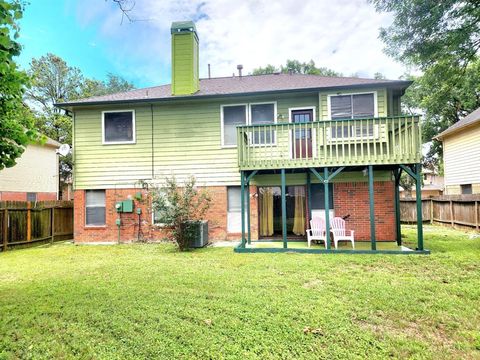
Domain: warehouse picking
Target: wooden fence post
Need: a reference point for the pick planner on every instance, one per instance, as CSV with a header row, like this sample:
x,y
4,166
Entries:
x,y
29,221
5,229
53,224
452,221
431,211
476,215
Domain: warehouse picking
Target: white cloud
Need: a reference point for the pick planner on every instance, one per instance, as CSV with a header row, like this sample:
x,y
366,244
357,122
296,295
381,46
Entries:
x,y
341,35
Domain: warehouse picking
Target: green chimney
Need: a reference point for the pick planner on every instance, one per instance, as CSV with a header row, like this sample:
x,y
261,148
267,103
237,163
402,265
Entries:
x,y
184,58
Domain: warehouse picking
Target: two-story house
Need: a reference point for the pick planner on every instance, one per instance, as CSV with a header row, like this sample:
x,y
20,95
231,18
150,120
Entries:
x,y
296,146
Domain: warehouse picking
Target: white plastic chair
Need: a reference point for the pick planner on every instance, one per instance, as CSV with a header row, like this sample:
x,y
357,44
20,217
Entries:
x,y
339,233
316,231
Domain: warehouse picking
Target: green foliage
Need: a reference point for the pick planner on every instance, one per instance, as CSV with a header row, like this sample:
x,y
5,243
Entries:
x,y
442,39
16,122
151,302
445,94
180,208
426,32
113,84
296,67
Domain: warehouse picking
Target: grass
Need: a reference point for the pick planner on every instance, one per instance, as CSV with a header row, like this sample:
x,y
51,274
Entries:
x,y
149,301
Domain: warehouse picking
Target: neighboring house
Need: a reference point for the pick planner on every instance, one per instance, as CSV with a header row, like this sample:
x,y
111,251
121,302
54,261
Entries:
x,y
432,185
461,155
34,177
265,131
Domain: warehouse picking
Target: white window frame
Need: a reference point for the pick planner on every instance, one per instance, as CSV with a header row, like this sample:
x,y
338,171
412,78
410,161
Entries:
x,y
376,130
222,125
275,115
375,101
85,209
314,133
133,141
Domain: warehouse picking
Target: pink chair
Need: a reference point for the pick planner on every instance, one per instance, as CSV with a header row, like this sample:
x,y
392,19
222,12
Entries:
x,y
339,233
316,231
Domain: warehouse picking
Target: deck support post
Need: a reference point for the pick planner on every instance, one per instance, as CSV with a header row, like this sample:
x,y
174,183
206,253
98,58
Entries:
x,y
327,206
372,208
249,237
397,173
309,196
249,231
242,206
284,209
418,194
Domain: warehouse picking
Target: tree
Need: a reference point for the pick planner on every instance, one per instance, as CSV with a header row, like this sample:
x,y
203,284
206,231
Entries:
x,y
426,32
442,39
296,67
114,84
16,122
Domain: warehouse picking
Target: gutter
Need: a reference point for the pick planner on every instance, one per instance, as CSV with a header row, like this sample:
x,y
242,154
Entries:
x,y
403,84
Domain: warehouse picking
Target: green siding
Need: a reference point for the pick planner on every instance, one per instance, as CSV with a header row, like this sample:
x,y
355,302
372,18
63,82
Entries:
x,y
186,141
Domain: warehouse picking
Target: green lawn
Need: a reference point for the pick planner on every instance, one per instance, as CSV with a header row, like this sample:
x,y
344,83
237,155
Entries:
x,y
149,301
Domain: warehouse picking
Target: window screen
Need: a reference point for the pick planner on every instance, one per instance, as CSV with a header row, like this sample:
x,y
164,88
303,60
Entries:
x,y
233,199
95,207
118,126
466,189
352,106
31,196
234,209
318,196
363,106
263,114
341,107
232,117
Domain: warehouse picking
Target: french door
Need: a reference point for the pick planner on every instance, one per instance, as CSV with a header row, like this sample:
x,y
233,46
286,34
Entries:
x,y
302,137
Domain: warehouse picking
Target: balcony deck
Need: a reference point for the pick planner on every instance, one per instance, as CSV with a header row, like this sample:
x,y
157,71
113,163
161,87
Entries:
x,y
331,143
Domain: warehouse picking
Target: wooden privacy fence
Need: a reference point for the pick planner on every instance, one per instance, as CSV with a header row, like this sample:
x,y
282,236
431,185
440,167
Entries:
x,y
453,211
23,223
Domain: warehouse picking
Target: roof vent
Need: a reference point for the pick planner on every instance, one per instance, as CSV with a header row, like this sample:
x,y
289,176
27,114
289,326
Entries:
x,y
239,68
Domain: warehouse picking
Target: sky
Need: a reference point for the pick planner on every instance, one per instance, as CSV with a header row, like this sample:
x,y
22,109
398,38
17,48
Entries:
x,y
89,34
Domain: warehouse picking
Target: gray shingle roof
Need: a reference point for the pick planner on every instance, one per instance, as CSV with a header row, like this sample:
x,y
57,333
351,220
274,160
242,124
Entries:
x,y
242,85
470,119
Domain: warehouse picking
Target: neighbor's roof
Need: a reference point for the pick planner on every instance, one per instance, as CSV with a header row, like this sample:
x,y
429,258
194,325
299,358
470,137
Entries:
x,y
235,85
468,120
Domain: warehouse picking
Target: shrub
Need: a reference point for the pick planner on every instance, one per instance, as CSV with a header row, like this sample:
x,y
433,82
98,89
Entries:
x,y
180,207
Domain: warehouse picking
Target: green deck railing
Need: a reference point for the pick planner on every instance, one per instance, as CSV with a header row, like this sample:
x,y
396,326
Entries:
x,y
374,141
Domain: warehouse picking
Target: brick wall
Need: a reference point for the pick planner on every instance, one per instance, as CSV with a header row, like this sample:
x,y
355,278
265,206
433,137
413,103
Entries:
x,y
352,199
216,215
22,196
349,198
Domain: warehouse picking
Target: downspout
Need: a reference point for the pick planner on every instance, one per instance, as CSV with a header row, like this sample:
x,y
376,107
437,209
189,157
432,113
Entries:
x,y
153,156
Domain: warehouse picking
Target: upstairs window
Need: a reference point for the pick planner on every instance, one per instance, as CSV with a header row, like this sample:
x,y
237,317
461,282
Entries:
x,y
232,116
118,127
263,114
353,106
95,208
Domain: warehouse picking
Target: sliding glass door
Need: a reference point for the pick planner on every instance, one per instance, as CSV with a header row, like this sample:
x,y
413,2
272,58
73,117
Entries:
x,y
270,211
